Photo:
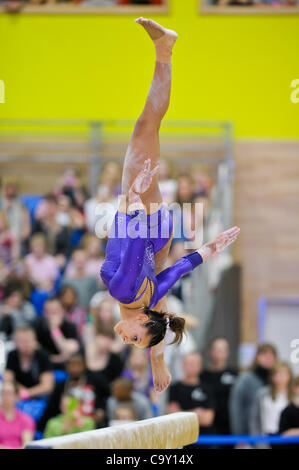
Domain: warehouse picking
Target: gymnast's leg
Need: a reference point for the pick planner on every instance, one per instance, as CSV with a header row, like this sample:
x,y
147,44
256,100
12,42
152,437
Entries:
x,y
144,143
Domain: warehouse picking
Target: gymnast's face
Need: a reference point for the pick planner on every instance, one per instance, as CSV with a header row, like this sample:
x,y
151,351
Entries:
x,y
133,331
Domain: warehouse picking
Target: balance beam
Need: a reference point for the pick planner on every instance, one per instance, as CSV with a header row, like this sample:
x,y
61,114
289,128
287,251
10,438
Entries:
x,y
165,432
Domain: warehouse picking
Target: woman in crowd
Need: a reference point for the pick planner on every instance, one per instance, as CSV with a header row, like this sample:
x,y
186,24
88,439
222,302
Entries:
x,y
15,311
271,400
138,370
41,266
289,418
124,395
16,428
72,311
100,360
246,387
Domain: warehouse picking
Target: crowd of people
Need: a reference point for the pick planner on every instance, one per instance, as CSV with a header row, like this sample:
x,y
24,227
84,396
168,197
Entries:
x,y
66,371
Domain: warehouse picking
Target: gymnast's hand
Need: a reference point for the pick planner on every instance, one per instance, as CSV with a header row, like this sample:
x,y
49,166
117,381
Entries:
x,y
144,178
223,240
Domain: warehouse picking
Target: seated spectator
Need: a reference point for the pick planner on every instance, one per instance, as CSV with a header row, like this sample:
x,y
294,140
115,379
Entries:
x,y
271,400
167,185
7,246
182,286
91,245
191,394
41,266
104,314
123,415
16,428
246,387
68,215
289,418
17,216
73,313
15,311
100,359
92,208
138,370
57,336
84,284
123,395
95,257
69,182
90,391
220,378
70,420
29,366
58,236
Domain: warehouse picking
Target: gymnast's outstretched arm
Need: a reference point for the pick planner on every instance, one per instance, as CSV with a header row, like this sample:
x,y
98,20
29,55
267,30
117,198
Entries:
x,y
167,278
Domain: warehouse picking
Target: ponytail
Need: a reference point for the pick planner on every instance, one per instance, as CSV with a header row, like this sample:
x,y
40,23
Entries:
x,y
157,326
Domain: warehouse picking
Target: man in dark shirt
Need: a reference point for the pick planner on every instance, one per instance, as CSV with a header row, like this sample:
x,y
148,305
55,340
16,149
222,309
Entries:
x,y
289,418
29,366
57,336
220,379
192,395
90,391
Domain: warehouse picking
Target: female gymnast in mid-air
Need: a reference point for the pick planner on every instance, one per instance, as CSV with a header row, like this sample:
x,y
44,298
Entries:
x,y
133,269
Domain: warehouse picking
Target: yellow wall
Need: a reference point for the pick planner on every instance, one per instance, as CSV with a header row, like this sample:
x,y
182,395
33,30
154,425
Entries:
x,y
236,68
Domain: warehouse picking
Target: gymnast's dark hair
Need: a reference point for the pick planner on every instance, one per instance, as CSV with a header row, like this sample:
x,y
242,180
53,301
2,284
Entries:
x,y
157,326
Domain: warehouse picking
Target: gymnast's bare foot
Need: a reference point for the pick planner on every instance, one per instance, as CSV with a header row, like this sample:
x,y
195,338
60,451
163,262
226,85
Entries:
x,y
163,38
161,376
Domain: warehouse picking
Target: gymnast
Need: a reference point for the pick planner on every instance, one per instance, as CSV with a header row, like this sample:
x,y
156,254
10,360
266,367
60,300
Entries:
x,y
134,267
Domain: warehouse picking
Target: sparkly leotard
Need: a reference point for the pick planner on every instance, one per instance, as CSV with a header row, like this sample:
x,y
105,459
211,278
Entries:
x,y
130,256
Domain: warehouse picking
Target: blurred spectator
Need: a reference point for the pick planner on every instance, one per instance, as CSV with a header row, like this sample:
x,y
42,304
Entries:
x,y
182,286
91,392
16,428
42,268
271,400
94,258
105,201
57,336
104,314
246,387
100,359
67,214
70,421
138,370
18,218
123,395
289,418
167,185
220,378
29,366
123,415
15,311
58,236
174,354
191,394
202,183
72,312
69,182
84,284
8,250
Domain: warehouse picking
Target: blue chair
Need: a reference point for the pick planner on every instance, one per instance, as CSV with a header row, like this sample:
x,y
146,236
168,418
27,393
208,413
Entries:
x,y
31,201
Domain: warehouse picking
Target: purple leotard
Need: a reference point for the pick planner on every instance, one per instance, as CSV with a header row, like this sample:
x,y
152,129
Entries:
x,y
130,256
